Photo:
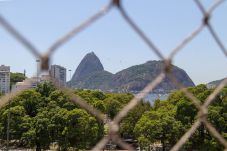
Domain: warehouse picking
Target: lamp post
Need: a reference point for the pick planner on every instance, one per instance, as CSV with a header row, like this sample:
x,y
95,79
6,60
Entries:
x,y
37,61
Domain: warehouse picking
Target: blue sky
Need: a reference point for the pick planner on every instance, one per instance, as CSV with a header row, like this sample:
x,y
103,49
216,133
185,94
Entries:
x,y
166,23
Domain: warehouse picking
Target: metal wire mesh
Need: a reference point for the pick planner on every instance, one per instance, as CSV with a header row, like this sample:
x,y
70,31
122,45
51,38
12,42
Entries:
x,y
114,124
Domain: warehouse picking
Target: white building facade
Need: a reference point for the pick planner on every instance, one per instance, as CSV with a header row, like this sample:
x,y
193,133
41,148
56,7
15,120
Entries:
x,y
59,74
4,79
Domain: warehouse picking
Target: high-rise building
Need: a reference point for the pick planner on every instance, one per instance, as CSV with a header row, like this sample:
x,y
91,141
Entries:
x,y
59,74
4,79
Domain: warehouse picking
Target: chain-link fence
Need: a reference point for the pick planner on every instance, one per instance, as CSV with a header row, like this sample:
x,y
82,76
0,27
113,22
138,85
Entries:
x,y
113,133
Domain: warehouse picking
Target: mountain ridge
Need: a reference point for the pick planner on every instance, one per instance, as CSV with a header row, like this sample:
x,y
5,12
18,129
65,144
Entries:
x,y
131,79
215,83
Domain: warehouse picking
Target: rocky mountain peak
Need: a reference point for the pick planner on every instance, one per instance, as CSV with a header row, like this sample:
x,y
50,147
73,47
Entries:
x,y
89,64
90,74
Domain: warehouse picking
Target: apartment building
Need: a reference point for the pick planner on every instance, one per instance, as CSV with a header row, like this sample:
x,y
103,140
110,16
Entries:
x,y
59,74
4,79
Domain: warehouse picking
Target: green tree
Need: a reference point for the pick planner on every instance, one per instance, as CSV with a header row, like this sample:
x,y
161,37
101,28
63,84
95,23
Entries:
x,y
81,130
129,122
30,100
45,88
41,124
61,99
16,77
158,126
44,115
115,102
16,113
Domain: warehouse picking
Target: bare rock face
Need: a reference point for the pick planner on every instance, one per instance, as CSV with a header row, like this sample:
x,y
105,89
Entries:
x,y
88,65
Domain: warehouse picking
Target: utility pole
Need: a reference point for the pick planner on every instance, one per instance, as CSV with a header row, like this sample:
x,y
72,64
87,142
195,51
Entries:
x,y
70,76
24,73
8,128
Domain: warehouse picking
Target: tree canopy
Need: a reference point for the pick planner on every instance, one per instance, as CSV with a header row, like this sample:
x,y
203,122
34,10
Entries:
x,y
45,115
168,120
41,116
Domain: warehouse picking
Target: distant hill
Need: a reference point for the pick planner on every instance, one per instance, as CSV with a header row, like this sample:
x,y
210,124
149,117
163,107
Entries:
x,y
90,74
215,83
135,78
95,80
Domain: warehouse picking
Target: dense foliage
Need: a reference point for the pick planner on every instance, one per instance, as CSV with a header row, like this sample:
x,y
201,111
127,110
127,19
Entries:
x,y
111,103
168,120
44,116
41,116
